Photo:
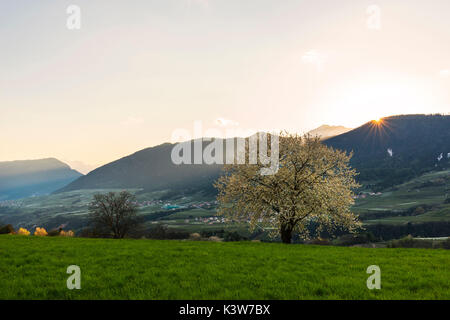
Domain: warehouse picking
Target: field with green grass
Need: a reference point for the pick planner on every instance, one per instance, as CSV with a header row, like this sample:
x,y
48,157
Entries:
x,y
422,199
35,268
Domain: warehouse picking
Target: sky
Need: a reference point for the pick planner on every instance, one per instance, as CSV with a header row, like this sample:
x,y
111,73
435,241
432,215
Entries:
x,y
137,71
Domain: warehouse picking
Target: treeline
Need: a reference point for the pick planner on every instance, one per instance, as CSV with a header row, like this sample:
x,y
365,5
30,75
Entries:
x,y
413,211
425,230
162,232
370,233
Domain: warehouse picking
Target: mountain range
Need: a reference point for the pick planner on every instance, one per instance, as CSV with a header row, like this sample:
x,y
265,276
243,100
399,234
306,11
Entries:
x,y
326,131
385,153
26,178
394,149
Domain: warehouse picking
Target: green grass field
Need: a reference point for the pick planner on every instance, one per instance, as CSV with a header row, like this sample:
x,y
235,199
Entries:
x,y
35,268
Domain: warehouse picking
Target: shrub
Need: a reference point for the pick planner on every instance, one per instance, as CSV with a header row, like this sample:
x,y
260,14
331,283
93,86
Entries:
x,y
95,232
319,241
158,232
352,239
69,233
209,233
195,236
54,233
410,242
161,232
446,244
6,229
233,236
23,232
442,244
41,232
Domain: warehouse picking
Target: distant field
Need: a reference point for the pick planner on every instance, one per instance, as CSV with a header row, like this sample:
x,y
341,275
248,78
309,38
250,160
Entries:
x,y
428,191
71,209
35,268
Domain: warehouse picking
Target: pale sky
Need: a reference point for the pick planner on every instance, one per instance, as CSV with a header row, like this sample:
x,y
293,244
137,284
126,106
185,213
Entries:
x,y
138,70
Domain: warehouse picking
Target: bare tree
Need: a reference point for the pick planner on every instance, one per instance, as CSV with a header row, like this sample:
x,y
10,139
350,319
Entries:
x,y
114,214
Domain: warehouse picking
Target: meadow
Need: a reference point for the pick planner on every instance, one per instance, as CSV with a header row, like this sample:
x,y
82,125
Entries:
x,y
35,268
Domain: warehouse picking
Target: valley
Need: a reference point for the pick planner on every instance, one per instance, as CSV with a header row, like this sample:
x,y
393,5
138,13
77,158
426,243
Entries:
x,y
404,177
419,200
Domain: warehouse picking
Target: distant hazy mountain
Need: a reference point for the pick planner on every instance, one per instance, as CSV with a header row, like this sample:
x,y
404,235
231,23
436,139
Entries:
x,y
25,178
80,166
326,131
397,148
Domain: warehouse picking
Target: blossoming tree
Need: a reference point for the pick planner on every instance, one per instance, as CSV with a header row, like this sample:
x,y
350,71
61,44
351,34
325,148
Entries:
x,y
314,185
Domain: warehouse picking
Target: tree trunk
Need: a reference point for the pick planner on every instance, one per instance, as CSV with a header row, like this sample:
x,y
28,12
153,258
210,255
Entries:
x,y
286,234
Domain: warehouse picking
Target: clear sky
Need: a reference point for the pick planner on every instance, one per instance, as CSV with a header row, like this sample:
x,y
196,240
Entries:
x,y
138,70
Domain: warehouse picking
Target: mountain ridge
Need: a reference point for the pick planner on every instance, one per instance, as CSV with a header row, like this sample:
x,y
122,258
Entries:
x,y
397,148
25,178
326,131
152,168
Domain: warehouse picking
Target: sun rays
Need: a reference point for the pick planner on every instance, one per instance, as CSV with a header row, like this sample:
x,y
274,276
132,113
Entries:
x,y
380,127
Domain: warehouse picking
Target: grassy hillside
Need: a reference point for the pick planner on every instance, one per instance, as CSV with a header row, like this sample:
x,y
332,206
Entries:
x,y
422,199
35,268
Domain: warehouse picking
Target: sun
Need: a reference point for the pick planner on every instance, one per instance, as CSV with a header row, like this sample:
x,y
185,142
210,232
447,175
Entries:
x,y
378,121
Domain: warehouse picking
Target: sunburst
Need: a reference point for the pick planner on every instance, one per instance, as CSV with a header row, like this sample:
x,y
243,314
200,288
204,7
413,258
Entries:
x,y
380,127
378,122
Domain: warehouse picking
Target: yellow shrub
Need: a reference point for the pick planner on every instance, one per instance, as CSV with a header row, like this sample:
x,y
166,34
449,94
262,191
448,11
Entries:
x,y
195,236
66,233
40,232
23,231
